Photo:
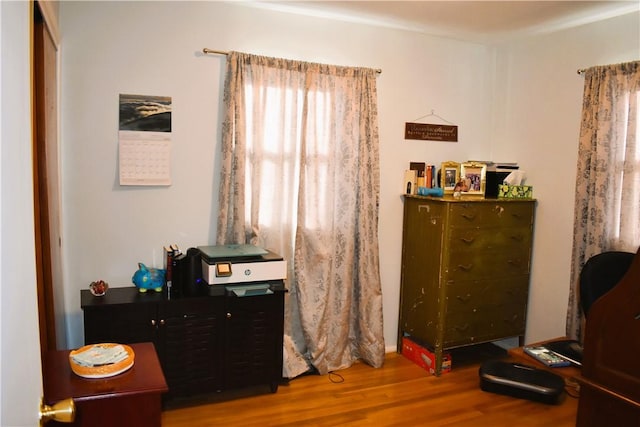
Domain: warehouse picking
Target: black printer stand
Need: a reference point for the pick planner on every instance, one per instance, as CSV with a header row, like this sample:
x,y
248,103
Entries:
x,y
212,342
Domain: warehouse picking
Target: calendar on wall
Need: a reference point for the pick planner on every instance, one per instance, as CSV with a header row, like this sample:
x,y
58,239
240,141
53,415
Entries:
x,y
145,158
144,137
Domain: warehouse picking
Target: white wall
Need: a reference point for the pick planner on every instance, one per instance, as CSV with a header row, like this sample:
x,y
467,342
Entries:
x,y
537,122
20,375
154,48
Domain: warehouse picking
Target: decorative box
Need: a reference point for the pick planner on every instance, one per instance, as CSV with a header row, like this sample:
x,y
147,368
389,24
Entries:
x,y
507,191
423,357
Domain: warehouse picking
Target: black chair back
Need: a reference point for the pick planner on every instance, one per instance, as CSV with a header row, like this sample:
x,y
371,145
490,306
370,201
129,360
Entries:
x,y
600,274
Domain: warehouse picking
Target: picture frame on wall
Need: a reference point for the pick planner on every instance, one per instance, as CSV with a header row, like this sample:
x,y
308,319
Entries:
x,y
473,177
449,176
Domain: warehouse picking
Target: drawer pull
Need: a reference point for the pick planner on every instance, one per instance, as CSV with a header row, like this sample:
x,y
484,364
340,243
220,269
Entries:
x,y
468,217
190,316
154,323
228,315
468,240
513,319
462,328
464,298
467,267
427,207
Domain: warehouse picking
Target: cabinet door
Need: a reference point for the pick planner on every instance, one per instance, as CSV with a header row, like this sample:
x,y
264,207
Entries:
x,y
421,298
191,335
254,340
121,323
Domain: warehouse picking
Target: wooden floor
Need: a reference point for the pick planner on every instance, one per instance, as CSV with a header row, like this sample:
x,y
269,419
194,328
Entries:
x,y
398,394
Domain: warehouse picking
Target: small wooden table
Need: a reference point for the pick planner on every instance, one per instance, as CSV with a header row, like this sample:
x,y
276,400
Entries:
x,y
131,398
569,372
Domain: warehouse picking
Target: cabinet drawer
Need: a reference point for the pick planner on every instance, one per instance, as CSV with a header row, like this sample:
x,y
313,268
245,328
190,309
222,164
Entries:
x,y
486,324
487,239
498,214
126,324
486,264
473,295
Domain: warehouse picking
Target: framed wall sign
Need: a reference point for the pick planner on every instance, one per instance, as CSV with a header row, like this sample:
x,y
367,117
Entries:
x,y
430,132
473,178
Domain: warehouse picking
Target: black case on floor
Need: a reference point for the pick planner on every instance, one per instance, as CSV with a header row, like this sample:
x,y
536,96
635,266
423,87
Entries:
x,y
521,381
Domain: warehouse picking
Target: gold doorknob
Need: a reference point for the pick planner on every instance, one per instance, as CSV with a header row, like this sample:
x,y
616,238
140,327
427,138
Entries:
x,y
63,412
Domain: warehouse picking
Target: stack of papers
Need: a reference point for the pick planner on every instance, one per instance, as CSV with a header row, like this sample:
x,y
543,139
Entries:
x,y
100,355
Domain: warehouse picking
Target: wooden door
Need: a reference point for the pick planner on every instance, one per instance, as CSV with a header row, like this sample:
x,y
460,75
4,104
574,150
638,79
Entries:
x,y
47,185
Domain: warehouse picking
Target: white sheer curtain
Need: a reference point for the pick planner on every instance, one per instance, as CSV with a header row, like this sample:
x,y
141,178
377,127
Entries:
x,y
300,177
607,201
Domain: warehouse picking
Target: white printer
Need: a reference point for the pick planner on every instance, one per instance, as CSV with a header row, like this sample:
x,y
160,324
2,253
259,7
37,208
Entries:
x,y
231,264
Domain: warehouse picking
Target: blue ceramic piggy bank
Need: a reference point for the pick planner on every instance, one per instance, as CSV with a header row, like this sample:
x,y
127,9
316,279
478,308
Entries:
x,y
148,278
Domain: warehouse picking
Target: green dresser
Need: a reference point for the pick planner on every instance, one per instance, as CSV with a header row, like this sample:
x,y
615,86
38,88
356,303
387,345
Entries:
x,y
465,271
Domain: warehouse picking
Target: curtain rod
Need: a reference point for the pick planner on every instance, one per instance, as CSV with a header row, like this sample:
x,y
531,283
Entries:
x,y
217,52
206,50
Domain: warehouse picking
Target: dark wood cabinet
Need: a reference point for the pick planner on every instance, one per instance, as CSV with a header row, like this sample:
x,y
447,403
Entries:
x,y
213,342
465,271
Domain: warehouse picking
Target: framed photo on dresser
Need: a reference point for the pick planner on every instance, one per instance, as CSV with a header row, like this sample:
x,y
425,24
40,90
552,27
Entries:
x,y
449,176
474,177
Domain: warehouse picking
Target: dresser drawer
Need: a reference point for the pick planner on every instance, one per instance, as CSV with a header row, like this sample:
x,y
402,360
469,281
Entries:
x,y
461,266
483,239
491,214
486,324
474,295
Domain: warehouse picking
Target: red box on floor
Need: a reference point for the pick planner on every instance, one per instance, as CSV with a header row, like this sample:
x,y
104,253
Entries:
x,y
424,357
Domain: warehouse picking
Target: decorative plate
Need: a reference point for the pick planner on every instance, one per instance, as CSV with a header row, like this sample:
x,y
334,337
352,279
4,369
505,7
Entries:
x,y
101,360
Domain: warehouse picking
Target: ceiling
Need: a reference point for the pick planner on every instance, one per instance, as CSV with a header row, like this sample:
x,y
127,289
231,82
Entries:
x,y
479,21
